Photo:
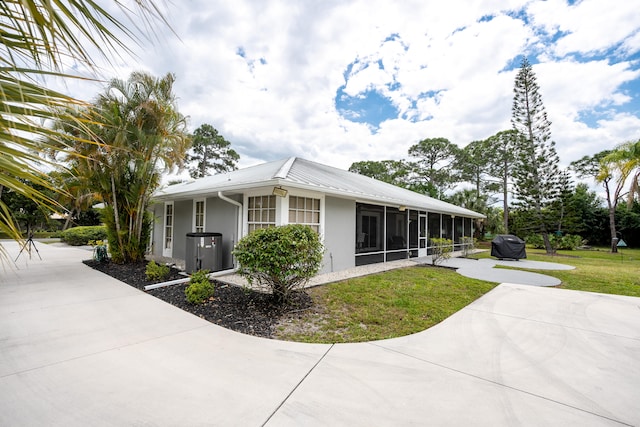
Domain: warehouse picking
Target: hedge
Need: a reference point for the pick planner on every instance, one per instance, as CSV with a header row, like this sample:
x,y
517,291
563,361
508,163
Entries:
x,y
78,236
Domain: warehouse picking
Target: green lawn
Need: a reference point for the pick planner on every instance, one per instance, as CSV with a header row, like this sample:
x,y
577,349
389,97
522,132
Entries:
x,y
385,305
596,270
409,300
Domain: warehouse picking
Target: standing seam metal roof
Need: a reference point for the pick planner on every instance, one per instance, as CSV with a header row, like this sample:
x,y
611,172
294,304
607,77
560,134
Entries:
x,y
310,175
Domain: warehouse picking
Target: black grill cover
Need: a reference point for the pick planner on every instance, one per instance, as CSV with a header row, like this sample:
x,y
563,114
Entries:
x,y
508,246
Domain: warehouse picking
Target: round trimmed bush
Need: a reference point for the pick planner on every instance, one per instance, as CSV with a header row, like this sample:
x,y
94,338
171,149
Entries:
x,y
281,258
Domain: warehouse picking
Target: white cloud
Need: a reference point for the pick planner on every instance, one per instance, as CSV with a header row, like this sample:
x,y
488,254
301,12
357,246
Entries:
x,y
590,26
278,98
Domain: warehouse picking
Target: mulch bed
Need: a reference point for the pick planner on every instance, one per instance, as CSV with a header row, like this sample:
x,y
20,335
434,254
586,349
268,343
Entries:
x,y
232,307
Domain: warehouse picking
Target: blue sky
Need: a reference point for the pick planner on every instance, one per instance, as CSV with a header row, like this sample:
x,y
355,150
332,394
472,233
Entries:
x,y
343,81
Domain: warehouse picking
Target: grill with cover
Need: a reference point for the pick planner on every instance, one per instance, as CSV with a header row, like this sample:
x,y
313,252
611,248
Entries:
x,y
508,246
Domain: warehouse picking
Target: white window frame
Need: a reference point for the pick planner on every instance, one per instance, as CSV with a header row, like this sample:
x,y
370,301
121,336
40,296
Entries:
x,y
248,224
319,211
195,215
310,195
167,245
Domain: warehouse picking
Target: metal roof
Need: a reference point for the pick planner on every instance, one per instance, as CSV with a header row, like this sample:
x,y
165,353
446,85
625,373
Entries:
x,y
304,174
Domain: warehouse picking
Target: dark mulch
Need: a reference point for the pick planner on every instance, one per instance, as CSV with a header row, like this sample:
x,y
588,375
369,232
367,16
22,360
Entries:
x,y
232,307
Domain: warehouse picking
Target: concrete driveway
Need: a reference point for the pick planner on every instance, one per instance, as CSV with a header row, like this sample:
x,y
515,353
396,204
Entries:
x,y
80,348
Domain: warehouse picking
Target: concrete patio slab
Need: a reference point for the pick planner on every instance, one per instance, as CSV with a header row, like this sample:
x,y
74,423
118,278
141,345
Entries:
x,y
80,348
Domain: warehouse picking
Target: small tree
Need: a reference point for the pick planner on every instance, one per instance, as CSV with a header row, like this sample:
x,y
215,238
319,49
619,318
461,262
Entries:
x,y
441,251
280,258
468,245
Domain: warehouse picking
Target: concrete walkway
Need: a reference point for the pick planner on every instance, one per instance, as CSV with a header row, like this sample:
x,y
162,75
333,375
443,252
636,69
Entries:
x,y
484,269
79,348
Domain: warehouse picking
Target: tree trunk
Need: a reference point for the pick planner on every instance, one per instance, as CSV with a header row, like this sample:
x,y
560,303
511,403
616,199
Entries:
x,y
547,243
67,222
612,204
116,215
545,233
505,201
635,188
612,227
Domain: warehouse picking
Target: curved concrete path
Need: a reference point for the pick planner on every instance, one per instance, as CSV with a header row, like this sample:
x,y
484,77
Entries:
x,y
484,269
79,348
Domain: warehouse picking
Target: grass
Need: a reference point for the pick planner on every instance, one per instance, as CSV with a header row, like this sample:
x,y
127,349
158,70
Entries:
x,y
596,270
405,301
385,305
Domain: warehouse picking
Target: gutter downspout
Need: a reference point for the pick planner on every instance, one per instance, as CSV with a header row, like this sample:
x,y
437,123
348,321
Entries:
x,y
239,206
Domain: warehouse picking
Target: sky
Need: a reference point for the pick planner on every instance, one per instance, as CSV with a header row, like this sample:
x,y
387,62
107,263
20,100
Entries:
x,y
339,81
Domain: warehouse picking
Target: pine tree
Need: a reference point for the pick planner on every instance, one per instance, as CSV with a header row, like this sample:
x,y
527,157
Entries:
x,y
210,150
502,147
536,172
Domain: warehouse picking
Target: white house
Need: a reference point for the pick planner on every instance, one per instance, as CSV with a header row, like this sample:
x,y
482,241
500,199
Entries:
x,y
360,220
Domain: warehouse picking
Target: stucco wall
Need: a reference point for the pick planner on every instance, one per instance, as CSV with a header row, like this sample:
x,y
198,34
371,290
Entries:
x,y
158,218
222,217
340,234
182,225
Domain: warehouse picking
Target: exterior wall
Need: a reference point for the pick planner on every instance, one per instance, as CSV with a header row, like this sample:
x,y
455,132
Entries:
x,y
183,218
156,237
339,234
222,217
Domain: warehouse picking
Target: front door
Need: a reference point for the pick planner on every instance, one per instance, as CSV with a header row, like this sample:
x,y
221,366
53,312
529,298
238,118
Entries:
x,y
167,245
422,235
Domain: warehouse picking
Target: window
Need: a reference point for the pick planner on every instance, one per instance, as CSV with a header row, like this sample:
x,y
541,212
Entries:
x,y
369,228
468,227
167,247
168,231
261,212
198,216
306,211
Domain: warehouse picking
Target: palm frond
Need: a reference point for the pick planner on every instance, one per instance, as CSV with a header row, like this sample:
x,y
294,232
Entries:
x,y
38,39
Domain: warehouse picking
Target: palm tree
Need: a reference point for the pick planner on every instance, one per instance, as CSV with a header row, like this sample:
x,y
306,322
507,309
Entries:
x,y
617,167
629,154
39,37
155,138
137,133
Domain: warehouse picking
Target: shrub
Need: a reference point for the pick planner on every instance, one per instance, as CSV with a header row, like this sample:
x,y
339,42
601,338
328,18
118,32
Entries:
x,y
200,287
568,242
281,258
535,241
468,244
442,249
78,236
156,271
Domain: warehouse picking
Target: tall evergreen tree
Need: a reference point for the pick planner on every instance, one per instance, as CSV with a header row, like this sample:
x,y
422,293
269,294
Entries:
x,y
210,150
536,172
